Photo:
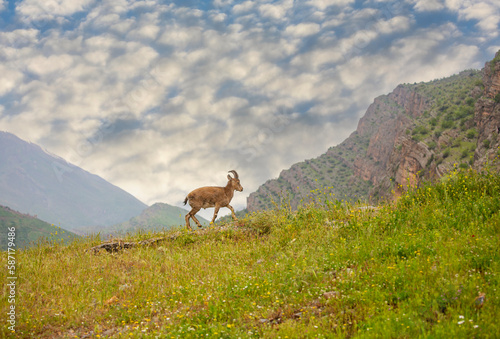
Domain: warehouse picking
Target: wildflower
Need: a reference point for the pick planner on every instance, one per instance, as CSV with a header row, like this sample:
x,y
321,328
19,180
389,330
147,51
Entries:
x,y
461,322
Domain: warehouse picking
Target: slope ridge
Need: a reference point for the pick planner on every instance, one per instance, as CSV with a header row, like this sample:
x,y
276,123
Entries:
x,y
29,230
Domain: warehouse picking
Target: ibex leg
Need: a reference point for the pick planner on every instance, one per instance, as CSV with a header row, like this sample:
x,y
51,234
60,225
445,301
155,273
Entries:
x,y
191,215
232,212
215,214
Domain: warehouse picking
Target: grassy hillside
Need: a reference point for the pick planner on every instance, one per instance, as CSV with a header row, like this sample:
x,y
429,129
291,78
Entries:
x,y
413,268
30,229
155,218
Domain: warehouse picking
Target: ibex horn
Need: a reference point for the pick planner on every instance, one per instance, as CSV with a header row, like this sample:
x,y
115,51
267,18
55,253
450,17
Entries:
x,y
234,173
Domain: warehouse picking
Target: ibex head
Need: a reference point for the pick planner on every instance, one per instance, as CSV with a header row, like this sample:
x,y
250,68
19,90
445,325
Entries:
x,y
235,182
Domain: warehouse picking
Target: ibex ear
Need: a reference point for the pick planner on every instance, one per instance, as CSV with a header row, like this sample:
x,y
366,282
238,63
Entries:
x,y
229,177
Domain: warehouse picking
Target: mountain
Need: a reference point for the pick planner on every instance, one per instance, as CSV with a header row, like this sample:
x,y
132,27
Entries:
x,y
46,186
155,218
417,132
28,229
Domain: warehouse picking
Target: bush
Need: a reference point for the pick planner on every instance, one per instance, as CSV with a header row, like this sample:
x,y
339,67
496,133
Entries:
x,y
465,153
447,124
471,134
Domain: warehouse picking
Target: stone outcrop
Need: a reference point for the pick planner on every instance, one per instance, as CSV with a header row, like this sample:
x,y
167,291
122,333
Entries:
x,y
487,115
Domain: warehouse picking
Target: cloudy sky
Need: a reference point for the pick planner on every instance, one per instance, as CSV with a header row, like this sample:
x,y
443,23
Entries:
x,y
160,97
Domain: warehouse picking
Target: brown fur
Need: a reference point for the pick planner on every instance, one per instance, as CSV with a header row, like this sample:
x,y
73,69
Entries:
x,y
212,196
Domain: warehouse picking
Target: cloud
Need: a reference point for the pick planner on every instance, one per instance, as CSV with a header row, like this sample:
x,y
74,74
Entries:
x,y
160,99
50,9
393,25
428,5
10,79
275,11
487,14
43,66
19,38
324,4
303,29
243,7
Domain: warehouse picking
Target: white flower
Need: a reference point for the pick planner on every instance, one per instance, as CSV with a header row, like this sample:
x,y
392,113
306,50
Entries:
x,y
460,322
461,316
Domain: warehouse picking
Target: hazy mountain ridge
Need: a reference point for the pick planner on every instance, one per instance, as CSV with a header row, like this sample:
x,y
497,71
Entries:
x,y
36,182
417,132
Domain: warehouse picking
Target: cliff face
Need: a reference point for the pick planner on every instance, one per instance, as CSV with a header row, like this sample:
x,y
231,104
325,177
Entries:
x,y
390,117
417,132
487,115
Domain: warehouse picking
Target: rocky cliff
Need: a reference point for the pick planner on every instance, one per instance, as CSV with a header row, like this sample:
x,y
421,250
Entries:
x,y
417,132
487,116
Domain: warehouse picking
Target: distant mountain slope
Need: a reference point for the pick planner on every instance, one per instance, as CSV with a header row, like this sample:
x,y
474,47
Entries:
x,y
35,182
28,229
155,218
417,132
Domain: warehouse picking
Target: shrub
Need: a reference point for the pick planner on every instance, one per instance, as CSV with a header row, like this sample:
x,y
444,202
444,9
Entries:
x,y
447,124
471,134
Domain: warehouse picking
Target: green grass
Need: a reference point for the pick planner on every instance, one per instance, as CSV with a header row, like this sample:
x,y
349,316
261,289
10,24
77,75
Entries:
x,y
29,229
409,269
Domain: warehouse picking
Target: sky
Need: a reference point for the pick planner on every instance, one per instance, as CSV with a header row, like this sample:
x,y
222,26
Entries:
x,y
162,97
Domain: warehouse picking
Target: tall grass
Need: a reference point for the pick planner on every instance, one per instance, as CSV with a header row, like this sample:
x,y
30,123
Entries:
x,y
409,269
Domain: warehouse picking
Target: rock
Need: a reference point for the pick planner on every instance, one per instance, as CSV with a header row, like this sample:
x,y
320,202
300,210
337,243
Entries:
x,y
331,295
124,287
112,300
479,301
487,115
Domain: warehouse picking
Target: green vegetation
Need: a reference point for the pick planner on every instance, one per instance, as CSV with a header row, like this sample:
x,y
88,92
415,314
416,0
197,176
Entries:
x,y
412,268
29,229
450,115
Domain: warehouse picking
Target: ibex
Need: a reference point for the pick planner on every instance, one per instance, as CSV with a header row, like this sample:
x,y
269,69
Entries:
x,y
205,197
